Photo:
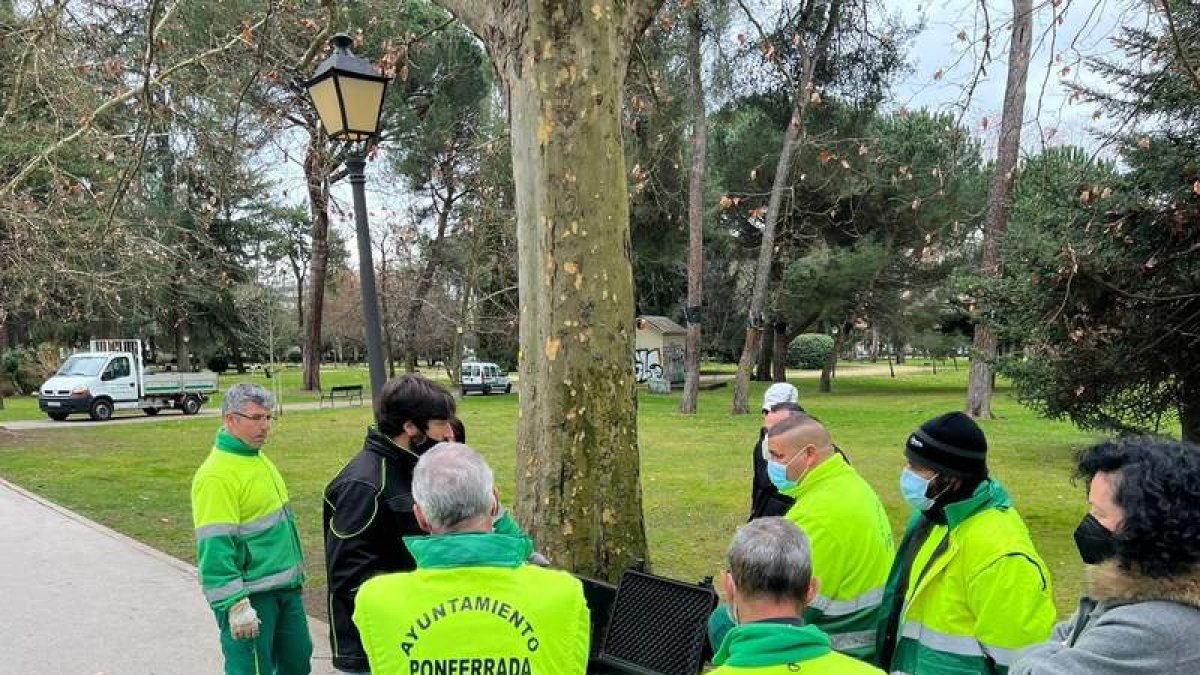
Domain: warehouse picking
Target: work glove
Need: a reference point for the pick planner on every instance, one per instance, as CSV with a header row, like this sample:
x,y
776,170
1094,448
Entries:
x,y
243,620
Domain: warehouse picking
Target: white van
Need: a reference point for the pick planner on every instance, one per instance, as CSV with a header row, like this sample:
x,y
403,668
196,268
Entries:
x,y
483,377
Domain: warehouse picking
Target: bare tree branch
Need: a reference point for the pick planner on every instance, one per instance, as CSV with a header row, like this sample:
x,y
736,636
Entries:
x,y
88,121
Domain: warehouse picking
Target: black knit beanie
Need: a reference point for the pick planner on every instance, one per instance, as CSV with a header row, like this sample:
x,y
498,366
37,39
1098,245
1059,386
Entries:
x,y
952,444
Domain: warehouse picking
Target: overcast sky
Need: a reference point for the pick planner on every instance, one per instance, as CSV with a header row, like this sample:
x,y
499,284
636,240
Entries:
x,y
1051,118
1085,30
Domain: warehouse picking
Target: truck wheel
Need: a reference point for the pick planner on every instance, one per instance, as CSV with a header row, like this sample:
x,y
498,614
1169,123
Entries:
x,y
102,411
191,405
486,390
508,388
57,416
151,411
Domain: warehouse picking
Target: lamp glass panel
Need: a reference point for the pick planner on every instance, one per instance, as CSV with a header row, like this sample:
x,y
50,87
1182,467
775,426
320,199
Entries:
x,y
325,98
363,99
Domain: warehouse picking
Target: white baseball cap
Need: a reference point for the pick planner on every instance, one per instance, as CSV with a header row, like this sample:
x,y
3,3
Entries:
x,y
780,392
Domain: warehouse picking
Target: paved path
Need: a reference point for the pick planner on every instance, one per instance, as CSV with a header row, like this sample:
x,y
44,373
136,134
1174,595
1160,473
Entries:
x,y
81,599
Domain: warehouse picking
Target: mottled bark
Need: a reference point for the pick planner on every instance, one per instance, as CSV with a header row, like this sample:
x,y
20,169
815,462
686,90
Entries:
x,y
979,388
562,66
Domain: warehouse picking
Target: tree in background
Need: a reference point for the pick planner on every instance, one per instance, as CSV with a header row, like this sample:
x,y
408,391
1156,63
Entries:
x,y
1103,287
995,221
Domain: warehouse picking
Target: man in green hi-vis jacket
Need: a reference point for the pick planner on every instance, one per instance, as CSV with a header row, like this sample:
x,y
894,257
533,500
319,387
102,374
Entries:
x,y
473,605
248,550
768,583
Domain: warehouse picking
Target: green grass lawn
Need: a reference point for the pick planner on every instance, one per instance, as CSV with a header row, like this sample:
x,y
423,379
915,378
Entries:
x,y
695,470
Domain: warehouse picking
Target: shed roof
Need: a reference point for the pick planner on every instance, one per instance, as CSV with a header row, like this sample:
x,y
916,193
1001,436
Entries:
x,y
660,324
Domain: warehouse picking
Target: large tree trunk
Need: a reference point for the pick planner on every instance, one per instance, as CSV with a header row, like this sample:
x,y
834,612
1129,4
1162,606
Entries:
x,y
563,65
766,252
432,262
316,172
979,389
695,294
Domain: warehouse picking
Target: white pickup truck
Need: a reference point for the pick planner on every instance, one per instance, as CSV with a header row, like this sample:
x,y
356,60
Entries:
x,y
111,376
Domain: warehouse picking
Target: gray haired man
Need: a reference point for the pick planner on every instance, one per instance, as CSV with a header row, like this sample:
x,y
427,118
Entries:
x,y
248,550
473,596
767,584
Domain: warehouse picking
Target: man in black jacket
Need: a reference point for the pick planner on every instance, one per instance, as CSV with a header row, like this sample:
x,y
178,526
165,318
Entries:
x,y
369,505
779,403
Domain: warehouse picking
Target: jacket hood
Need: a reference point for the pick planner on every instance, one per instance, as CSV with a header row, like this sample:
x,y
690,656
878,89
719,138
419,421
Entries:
x,y
1108,581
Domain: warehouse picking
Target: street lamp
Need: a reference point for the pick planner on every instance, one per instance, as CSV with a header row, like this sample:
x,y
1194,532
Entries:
x,y
348,92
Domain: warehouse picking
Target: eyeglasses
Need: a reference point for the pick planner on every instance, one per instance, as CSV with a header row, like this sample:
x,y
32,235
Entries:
x,y
256,418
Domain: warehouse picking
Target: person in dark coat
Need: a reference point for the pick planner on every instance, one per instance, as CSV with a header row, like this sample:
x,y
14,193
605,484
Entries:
x,y
779,403
1140,540
368,507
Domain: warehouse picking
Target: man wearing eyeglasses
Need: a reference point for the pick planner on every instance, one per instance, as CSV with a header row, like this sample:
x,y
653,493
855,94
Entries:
x,y
248,549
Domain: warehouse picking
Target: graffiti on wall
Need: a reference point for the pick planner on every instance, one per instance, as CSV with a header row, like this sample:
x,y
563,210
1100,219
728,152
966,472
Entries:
x,y
647,363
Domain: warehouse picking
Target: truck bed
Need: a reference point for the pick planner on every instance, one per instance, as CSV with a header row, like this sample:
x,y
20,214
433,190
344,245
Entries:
x,y
160,384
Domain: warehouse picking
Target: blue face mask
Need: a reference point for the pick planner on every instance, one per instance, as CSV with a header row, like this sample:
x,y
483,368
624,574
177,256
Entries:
x,y
913,487
777,472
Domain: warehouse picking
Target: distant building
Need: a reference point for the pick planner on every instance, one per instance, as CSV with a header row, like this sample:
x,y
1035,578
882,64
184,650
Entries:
x,y
659,349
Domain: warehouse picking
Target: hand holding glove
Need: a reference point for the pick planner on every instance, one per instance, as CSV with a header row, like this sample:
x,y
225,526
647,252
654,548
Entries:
x,y
243,620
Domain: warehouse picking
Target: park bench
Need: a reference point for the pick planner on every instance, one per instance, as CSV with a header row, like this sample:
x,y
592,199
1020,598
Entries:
x,y
345,391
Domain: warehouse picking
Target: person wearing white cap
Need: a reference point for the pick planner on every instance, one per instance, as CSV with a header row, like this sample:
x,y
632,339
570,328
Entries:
x,y
779,403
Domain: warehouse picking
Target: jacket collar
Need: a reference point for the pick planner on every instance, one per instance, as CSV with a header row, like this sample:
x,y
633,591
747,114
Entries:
x,y
469,549
989,495
1109,582
769,643
832,466
378,443
227,442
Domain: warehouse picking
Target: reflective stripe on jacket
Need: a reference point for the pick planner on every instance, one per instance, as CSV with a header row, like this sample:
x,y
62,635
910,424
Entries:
x,y
852,550
246,537
978,592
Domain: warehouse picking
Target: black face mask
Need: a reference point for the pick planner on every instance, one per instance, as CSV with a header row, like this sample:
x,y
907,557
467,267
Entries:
x,y
425,444
1095,542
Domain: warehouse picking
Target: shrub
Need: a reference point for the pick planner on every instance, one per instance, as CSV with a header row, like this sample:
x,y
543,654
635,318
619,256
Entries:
x,y
809,351
21,371
218,363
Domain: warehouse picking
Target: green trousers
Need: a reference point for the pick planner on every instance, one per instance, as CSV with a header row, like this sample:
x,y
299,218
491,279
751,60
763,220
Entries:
x,y
283,645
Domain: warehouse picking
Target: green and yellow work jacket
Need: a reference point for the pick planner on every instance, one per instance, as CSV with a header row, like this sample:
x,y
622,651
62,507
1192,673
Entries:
x,y
780,646
246,538
977,591
852,549
473,605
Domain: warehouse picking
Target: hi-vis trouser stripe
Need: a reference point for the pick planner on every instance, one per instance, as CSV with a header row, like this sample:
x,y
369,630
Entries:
x,y
960,645
257,525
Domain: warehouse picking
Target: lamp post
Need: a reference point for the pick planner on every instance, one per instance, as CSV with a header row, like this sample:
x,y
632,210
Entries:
x,y
348,92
